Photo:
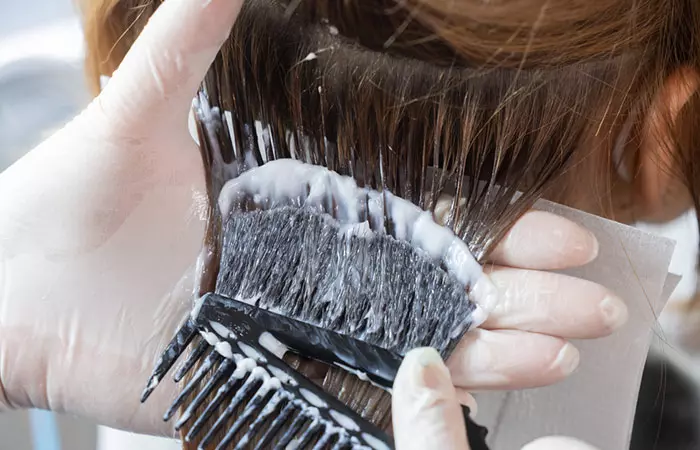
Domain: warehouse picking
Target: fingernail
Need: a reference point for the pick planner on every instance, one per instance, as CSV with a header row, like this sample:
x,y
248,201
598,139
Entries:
x,y
557,443
614,312
431,371
442,207
567,360
473,409
594,245
468,400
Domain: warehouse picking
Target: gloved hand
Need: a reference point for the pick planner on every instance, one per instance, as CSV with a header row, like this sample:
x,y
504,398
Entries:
x,y
523,342
427,415
101,224
100,227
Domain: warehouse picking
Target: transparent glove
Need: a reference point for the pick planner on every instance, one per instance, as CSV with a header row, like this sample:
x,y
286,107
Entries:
x,y
524,341
426,413
100,226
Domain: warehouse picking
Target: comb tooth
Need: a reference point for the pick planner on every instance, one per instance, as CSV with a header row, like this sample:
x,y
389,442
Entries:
x,y
365,209
269,435
293,429
342,444
309,434
251,138
245,390
224,370
253,406
325,440
212,358
177,345
221,394
191,360
272,405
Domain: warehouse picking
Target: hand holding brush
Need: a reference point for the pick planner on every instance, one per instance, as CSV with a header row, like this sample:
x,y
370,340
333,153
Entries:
x,y
100,221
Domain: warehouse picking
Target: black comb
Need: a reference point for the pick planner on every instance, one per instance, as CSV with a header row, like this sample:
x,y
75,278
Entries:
x,y
267,400
240,339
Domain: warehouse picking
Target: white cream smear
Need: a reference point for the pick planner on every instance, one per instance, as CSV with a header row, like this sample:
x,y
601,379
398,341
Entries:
x,y
288,182
224,349
250,352
313,398
375,443
220,329
272,345
344,421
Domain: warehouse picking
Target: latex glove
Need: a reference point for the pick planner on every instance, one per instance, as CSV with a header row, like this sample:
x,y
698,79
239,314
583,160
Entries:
x,y
524,341
426,413
100,227
101,224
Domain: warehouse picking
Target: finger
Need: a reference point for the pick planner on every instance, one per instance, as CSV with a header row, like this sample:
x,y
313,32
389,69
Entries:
x,y
425,411
538,240
505,359
464,397
555,304
558,443
165,66
545,241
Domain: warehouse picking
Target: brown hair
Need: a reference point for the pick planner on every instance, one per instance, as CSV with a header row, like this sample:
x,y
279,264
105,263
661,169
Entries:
x,y
526,95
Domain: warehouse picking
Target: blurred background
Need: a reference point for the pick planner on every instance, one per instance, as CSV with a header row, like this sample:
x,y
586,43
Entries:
x,y
42,86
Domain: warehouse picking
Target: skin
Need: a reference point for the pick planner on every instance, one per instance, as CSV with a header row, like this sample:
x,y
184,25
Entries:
x,y
99,222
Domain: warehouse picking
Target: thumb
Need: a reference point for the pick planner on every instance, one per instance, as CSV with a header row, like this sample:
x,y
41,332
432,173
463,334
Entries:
x,y
163,69
425,409
558,443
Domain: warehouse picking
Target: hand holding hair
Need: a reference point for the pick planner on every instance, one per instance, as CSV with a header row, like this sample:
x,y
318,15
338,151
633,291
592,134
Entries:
x,y
426,413
524,341
100,226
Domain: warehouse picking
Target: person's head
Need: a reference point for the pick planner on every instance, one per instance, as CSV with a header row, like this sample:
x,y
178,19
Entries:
x,y
612,81
591,104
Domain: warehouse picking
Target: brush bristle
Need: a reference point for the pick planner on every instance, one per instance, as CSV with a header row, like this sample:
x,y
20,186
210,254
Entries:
x,y
377,289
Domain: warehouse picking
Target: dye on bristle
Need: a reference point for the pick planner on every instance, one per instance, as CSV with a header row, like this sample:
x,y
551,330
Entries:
x,y
344,283
357,210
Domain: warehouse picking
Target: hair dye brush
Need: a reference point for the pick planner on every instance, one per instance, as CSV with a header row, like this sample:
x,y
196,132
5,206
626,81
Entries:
x,y
313,264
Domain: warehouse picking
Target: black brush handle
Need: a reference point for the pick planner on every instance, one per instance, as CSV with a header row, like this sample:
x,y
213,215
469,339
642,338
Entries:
x,y
377,364
476,433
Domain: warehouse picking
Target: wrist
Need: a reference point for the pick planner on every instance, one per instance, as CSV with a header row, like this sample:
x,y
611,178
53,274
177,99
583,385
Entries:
x,y
5,404
18,363
4,399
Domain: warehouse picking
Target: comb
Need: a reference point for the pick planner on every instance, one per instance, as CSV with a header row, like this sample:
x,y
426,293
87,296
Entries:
x,y
242,350
272,404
